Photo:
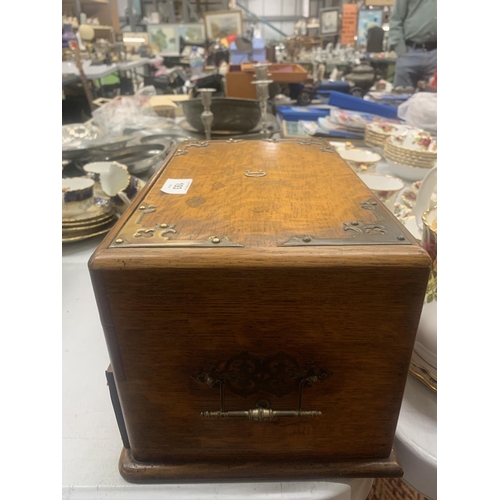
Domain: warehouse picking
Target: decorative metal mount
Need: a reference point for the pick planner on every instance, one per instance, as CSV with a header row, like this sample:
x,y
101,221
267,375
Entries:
x,y
259,173
160,235
190,144
246,375
383,232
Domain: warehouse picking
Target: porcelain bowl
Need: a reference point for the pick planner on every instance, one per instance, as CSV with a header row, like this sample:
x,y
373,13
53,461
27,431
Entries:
x,y
407,172
360,160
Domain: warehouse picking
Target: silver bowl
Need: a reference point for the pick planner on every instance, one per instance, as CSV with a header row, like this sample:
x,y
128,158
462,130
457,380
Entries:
x,y
138,159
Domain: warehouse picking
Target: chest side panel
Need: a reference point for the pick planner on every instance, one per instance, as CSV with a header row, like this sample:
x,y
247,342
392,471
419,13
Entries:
x,y
173,324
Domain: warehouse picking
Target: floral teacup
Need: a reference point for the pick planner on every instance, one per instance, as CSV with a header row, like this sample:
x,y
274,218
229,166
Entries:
x,y
77,196
111,177
360,160
385,187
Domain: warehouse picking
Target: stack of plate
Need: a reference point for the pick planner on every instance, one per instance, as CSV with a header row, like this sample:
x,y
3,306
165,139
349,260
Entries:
x,y
98,219
393,151
377,133
411,155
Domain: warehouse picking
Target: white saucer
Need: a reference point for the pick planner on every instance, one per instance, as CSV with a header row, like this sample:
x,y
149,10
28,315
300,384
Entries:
x,y
411,225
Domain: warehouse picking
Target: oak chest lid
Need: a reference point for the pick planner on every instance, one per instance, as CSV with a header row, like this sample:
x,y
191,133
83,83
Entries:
x,y
265,193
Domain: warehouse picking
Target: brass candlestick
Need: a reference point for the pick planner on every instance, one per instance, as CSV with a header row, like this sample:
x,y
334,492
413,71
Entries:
x,y
263,96
207,116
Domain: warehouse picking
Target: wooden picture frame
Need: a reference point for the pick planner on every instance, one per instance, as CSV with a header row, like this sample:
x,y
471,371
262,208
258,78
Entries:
x,y
164,39
192,32
329,21
222,23
379,3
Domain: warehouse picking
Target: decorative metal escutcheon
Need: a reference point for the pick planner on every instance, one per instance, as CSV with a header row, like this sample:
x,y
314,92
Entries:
x,y
245,374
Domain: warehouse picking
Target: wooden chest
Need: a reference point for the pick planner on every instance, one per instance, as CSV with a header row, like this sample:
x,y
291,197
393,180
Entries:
x,y
260,307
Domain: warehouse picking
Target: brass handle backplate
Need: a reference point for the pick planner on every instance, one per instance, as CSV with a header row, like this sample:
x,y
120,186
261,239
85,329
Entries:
x,y
245,374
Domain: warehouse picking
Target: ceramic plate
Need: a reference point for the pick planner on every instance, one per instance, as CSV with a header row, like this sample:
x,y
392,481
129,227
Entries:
x,y
419,142
98,210
424,374
409,197
67,228
411,224
85,234
77,133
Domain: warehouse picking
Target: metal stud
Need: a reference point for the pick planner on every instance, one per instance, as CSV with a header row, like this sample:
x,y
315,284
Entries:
x,y
215,240
307,239
119,240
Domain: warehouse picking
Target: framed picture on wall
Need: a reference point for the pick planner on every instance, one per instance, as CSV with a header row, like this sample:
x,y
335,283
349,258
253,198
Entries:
x,y
367,19
164,39
192,33
329,21
222,23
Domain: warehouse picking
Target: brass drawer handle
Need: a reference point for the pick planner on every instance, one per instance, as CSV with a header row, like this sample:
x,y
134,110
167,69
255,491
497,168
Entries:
x,y
259,414
245,374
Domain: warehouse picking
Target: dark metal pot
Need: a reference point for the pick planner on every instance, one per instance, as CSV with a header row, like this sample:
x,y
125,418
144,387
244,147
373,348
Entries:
x,y
235,115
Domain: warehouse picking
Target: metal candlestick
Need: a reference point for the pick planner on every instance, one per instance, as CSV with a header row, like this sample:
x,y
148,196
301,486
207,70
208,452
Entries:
x,y
263,96
207,116
261,71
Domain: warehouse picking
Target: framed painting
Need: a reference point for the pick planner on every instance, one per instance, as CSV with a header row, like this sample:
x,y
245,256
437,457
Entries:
x,y
192,33
329,21
164,39
222,23
367,19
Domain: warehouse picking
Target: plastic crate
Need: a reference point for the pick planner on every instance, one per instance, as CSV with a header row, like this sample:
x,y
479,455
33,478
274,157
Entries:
x,y
346,101
296,113
327,85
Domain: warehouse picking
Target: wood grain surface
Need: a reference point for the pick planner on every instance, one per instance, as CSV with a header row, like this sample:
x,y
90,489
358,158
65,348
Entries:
x,y
169,313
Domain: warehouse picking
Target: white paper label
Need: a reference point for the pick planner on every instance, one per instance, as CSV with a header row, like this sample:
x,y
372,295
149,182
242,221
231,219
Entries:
x,y
176,186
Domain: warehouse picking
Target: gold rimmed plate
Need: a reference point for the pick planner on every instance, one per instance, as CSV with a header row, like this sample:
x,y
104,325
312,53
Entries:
x,y
424,375
409,197
69,237
101,208
85,227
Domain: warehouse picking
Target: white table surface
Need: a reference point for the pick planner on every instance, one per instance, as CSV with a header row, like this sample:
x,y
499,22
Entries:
x,y
91,440
102,70
92,443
